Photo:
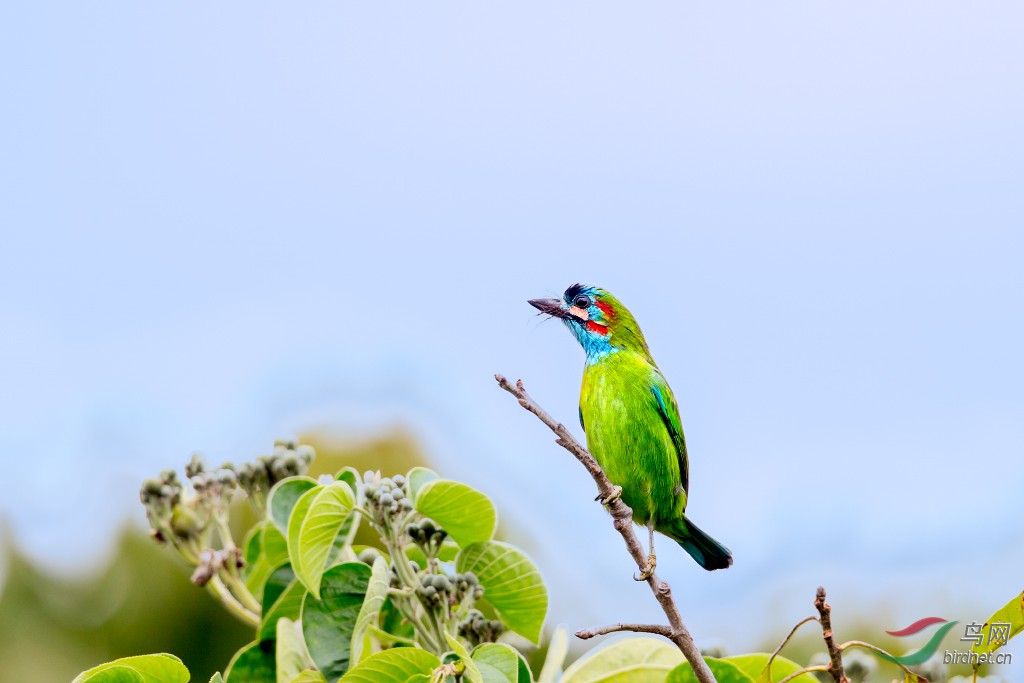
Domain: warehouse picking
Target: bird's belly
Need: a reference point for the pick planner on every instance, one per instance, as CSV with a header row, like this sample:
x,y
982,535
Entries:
x,y
637,454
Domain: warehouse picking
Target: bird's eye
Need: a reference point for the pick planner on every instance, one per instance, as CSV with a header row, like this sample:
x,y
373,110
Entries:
x,y
582,301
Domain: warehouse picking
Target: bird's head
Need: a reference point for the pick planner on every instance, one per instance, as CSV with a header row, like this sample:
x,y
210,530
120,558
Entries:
x,y
598,320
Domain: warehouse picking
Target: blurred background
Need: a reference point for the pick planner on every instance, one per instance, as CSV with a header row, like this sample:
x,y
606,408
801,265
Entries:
x,y
232,222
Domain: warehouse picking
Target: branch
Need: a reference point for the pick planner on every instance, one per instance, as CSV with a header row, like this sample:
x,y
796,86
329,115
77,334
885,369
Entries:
x,y
623,522
659,629
835,668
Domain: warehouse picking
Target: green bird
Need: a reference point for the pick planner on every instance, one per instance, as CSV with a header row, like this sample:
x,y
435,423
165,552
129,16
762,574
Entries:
x,y
632,421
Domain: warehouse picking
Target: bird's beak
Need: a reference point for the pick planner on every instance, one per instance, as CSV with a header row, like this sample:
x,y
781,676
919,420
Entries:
x,y
552,307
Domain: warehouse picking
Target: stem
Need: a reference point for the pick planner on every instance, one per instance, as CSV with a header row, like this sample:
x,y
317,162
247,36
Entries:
x,y
218,588
835,668
623,523
874,648
785,641
805,670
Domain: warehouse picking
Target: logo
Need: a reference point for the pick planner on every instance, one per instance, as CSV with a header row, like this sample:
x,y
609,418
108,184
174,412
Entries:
x,y
998,635
929,649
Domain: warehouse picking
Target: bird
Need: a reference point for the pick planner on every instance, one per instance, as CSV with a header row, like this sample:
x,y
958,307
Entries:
x,y
631,421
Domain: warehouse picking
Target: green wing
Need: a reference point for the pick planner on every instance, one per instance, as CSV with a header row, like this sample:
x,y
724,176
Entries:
x,y
669,412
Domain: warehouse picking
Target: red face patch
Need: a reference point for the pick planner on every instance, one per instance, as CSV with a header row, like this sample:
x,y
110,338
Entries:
x,y
597,327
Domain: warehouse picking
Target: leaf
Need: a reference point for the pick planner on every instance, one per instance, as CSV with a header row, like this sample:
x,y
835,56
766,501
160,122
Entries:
x,y
376,594
329,622
265,550
158,668
282,499
498,663
512,585
350,476
288,605
634,660
217,678
755,666
291,655
557,649
399,665
309,676
466,514
472,673
311,536
417,478
724,671
1009,617
254,663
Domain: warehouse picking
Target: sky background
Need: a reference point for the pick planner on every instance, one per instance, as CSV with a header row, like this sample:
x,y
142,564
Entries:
x,y
224,223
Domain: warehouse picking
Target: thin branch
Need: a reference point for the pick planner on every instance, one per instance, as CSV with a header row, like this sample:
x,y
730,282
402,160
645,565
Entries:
x,y
659,629
805,670
835,668
623,522
775,654
873,648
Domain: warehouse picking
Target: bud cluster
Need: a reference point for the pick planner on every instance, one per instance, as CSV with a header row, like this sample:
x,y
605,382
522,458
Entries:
x,y
288,459
386,497
476,628
427,535
439,590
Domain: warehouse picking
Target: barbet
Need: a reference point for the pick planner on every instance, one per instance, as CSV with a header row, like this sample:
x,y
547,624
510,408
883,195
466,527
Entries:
x,y
632,422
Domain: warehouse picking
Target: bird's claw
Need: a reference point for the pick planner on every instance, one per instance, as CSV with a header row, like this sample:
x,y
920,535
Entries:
x,y
615,495
648,570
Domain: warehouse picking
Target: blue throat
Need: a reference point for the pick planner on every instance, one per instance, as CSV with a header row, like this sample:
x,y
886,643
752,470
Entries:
x,y
596,346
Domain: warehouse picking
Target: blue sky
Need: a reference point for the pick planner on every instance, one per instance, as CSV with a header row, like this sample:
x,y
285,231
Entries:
x,y
226,223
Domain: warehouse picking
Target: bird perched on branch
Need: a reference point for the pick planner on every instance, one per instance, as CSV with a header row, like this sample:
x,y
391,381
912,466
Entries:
x,y
632,422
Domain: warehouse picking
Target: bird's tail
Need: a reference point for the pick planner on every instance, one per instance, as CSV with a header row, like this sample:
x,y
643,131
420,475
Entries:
x,y
708,552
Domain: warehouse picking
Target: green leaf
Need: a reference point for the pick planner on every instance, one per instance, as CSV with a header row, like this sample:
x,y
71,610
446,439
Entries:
x,y
265,550
512,585
217,678
350,476
282,499
755,665
291,655
287,605
158,668
254,663
466,514
399,665
341,548
498,663
472,673
310,537
557,649
634,660
309,676
329,622
376,594
1010,616
417,478
724,671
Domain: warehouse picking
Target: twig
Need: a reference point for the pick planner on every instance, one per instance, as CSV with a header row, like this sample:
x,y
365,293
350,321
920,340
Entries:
x,y
659,629
835,668
775,654
805,670
623,522
873,648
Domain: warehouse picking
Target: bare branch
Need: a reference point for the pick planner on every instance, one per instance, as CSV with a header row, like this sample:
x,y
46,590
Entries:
x,y
835,668
785,641
659,629
623,522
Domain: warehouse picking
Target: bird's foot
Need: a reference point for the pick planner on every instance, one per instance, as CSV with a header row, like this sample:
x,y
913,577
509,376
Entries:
x,y
648,570
615,495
